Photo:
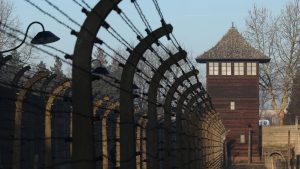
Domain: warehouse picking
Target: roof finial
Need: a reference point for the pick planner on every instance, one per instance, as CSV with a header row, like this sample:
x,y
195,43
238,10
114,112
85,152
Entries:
x,y
232,25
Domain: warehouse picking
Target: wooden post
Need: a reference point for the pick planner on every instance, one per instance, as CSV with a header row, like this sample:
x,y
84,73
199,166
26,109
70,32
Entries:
x,y
225,154
289,149
249,144
118,142
297,143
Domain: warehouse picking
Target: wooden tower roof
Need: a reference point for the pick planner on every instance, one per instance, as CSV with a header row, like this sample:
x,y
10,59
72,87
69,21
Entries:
x,y
232,47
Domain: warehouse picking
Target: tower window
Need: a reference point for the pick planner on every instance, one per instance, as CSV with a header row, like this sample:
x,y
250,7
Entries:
x,y
239,68
232,105
226,68
213,68
242,138
251,68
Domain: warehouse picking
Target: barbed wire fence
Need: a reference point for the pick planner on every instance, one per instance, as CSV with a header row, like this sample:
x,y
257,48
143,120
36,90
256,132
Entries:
x,y
66,125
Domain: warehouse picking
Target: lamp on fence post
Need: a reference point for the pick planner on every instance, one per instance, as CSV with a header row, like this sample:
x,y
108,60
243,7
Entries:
x,y
99,70
84,156
43,37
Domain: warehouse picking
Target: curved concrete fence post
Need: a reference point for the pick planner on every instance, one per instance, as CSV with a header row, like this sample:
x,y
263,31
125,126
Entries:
x,y
202,151
202,134
44,94
138,148
198,110
21,95
152,127
188,124
118,146
105,152
84,156
15,84
18,77
193,119
168,156
19,74
98,103
190,109
48,121
97,128
142,139
128,142
179,133
68,100
46,83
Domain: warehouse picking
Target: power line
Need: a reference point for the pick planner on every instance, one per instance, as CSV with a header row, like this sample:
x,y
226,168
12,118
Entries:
x,y
69,63
69,18
79,4
119,38
50,15
142,16
86,4
125,45
89,117
62,12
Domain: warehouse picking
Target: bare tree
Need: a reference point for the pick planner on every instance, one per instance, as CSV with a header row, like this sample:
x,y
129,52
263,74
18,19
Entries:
x,y
293,109
101,58
6,18
41,66
57,69
278,37
9,38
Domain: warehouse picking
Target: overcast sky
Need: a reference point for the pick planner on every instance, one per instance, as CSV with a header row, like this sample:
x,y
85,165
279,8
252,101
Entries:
x,y
198,24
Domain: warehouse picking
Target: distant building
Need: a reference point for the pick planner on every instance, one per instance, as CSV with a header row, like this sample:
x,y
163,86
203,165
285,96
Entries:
x,y
233,83
269,114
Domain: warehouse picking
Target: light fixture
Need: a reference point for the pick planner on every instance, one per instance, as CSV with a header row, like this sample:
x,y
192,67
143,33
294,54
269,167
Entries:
x,y
43,37
100,71
135,87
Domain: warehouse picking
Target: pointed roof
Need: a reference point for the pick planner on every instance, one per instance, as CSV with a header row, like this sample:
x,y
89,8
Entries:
x,y
232,47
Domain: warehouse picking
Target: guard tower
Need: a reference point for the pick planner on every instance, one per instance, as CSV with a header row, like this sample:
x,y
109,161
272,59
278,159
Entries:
x,y
233,83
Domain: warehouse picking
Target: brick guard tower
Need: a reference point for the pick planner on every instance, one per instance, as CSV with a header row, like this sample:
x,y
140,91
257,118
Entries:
x,y
233,83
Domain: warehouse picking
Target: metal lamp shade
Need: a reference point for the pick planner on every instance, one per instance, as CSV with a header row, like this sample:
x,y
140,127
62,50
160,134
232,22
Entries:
x,y
44,37
135,87
101,71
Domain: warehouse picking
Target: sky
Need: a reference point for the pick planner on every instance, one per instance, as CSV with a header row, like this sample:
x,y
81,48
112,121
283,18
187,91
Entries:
x,y
198,24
